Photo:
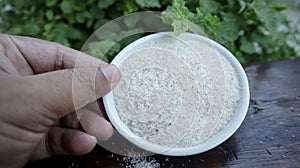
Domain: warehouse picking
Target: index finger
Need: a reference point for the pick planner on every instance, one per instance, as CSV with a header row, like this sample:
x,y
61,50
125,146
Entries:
x,y
44,56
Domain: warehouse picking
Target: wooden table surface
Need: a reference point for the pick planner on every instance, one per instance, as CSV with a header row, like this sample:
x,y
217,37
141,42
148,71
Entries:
x,y
268,137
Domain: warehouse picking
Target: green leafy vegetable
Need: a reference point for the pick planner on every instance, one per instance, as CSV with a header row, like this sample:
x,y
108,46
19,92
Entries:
x,y
254,30
250,29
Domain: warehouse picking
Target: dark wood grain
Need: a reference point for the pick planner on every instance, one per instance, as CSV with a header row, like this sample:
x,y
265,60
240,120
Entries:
x,y
269,136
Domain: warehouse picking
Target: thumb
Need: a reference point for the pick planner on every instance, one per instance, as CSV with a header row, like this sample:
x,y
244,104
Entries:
x,y
67,90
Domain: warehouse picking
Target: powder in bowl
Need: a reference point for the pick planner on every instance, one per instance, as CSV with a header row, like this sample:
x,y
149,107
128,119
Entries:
x,y
175,91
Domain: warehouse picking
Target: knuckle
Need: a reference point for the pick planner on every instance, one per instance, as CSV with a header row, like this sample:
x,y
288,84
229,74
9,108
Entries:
x,y
59,60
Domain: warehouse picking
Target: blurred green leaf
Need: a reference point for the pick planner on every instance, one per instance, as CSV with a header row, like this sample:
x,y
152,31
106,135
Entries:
x,y
268,16
80,18
148,3
50,3
79,5
105,3
228,31
209,6
73,33
247,46
66,6
15,30
70,18
49,14
96,12
131,7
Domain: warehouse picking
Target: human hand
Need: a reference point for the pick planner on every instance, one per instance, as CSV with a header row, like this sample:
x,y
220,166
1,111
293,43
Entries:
x,y
39,85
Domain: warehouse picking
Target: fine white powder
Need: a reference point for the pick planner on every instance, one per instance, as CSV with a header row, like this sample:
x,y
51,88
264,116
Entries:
x,y
136,160
176,91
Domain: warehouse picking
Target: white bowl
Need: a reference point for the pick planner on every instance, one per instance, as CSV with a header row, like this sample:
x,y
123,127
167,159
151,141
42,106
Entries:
x,y
214,140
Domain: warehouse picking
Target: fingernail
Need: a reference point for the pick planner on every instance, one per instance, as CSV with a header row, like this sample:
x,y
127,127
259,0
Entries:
x,y
111,73
94,139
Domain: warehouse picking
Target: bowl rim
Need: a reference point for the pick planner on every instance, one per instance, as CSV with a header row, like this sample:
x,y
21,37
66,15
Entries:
x,y
215,140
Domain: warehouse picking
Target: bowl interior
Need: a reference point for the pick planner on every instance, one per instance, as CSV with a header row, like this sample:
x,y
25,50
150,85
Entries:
x,y
214,140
